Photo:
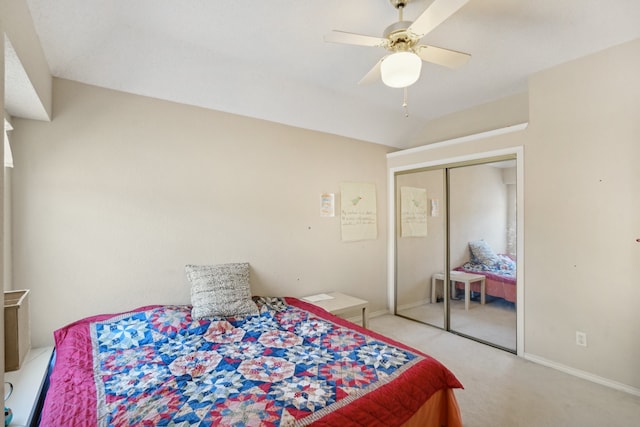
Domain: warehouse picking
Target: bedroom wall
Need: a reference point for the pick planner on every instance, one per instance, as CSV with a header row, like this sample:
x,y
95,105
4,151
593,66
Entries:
x,y
500,113
581,210
116,194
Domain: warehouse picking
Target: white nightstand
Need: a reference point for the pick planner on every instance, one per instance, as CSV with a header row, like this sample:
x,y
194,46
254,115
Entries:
x,y
337,303
27,385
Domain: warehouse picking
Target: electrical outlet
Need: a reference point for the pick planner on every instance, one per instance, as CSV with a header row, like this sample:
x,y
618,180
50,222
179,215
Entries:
x,y
581,338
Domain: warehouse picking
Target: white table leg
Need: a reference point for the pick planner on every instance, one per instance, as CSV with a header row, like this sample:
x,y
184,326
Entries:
x,y
482,290
467,295
433,290
365,318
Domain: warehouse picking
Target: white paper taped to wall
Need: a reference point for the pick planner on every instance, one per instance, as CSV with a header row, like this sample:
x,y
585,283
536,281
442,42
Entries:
x,y
358,211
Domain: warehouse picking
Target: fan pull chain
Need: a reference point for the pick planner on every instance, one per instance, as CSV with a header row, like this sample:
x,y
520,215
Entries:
x,y
405,106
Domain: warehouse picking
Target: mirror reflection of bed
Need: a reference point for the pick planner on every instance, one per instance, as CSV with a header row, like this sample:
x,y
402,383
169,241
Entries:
x,y
494,321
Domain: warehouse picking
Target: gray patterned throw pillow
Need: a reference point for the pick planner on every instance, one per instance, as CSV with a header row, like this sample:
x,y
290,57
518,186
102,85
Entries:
x,y
220,290
481,253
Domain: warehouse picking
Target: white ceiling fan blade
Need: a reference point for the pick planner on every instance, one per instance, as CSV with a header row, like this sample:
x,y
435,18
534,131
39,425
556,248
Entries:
x,y
445,57
434,15
373,75
351,38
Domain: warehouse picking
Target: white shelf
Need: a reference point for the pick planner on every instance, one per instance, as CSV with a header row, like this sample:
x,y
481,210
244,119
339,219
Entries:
x,y
27,385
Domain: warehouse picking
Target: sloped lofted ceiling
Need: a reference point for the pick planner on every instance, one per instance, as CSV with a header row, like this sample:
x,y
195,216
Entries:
x,y
268,60
21,99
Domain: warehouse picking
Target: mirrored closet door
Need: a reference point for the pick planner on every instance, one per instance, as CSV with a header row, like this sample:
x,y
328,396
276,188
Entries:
x,y
456,247
421,245
482,250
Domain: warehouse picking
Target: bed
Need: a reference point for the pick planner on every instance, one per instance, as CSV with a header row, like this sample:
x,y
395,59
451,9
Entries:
x,y
499,271
289,364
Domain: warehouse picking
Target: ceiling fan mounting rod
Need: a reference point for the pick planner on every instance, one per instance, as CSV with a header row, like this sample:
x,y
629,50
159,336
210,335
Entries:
x,y
399,4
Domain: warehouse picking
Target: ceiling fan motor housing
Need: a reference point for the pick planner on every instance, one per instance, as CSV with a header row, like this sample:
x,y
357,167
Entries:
x,y
400,39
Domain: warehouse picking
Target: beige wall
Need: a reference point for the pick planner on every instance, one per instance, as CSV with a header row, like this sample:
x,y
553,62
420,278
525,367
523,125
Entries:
x,y
116,194
581,210
494,115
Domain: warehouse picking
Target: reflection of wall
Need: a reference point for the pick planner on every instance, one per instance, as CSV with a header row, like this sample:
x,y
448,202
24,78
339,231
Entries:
x,y
509,178
420,257
478,199
511,221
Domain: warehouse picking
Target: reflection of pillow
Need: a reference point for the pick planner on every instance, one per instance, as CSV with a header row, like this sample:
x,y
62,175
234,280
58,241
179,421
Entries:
x,y
220,290
481,253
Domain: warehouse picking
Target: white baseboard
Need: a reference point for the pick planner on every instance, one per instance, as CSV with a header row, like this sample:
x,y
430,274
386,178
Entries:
x,y
413,305
358,319
378,313
583,374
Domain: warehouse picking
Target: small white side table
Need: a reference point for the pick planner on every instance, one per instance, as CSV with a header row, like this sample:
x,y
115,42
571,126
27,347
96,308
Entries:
x,y
27,385
340,304
458,276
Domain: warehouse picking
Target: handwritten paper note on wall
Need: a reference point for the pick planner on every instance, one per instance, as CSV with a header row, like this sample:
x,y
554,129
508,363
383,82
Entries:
x,y
327,205
358,211
413,211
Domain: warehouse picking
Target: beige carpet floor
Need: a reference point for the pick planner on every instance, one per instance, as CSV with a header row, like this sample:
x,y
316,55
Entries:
x,y
494,322
502,389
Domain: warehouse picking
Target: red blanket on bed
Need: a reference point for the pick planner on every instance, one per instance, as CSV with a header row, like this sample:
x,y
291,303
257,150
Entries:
x,y
293,364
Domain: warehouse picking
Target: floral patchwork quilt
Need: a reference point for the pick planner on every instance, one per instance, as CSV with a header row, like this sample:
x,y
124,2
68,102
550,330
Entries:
x,y
294,364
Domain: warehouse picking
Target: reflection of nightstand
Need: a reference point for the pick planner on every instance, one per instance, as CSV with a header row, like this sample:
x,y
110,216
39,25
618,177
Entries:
x,y
337,303
458,276
27,385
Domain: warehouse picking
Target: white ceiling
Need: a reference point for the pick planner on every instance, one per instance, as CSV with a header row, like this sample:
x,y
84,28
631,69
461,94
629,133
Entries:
x,y
267,59
20,97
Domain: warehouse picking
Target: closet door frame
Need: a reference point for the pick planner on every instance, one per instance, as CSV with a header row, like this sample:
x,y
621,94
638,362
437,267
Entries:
x,y
447,162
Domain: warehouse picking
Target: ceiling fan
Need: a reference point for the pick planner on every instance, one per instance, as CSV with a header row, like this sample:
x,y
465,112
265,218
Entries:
x,y
401,68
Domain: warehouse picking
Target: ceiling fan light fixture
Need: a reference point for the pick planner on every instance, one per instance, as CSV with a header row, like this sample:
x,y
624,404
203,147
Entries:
x,y
400,69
